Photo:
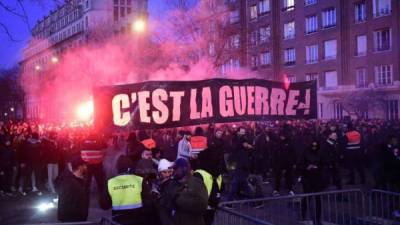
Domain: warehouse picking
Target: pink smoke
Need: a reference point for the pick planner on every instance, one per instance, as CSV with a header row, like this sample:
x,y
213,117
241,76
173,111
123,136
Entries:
x,y
173,50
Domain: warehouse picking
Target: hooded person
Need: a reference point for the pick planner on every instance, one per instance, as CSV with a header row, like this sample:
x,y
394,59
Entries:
x,y
312,167
210,172
186,199
134,148
73,195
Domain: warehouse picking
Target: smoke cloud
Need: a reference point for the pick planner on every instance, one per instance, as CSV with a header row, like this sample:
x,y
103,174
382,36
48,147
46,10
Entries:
x,y
175,48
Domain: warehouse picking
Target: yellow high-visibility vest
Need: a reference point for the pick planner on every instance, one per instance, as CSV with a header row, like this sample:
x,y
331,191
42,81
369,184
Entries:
x,y
208,180
125,192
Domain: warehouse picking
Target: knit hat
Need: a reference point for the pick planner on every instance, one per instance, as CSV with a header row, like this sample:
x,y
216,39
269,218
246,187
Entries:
x,y
164,165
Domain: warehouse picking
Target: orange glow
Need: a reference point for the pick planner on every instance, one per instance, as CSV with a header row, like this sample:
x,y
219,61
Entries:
x,y
139,26
84,111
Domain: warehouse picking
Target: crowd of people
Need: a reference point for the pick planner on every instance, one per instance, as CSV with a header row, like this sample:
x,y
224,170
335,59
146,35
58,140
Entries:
x,y
161,179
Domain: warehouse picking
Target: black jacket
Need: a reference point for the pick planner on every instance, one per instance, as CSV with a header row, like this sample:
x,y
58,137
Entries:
x,y
284,156
34,152
73,198
331,153
51,153
7,156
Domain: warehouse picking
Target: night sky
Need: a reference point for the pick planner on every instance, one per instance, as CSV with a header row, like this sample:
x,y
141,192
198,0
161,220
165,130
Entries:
x,y
10,51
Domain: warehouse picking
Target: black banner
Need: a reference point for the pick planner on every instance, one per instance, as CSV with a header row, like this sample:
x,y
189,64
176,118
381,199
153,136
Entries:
x,y
163,104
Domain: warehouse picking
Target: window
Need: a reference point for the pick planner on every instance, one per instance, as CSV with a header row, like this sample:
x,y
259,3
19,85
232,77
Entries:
x,y
288,5
265,34
383,74
265,58
310,2
211,49
311,54
329,18
230,65
321,110
128,10
254,61
361,45
291,79
253,12
330,49
288,30
331,79
235,41
115,2
392,109
311,77
361,76
289,56
254,38
87,22
264,6
311,24
116,13
360,12
382,40
338,111
234,16
381,7
122,12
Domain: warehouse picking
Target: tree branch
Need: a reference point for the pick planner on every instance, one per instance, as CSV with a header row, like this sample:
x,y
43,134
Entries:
x,y
2,25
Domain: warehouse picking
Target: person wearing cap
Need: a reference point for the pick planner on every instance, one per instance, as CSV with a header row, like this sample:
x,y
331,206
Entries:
x,y
185,198
73,195
164,178
128,195
165,170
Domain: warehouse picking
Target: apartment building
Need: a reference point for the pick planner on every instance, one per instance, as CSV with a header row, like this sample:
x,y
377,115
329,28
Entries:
x,y
69,26
350,47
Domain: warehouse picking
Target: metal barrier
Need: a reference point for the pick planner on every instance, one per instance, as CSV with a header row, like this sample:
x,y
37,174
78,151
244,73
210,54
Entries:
x,y
103,221
107,221
335,207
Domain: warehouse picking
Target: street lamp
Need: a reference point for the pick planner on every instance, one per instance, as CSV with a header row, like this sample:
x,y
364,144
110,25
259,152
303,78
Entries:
x,y
139,26
37,67
12,109
54,59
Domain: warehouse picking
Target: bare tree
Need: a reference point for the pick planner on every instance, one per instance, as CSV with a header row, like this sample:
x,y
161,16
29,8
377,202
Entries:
x,y
197,31
359,101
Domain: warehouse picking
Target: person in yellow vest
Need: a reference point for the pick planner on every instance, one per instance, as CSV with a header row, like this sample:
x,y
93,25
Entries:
x,y
209,171
128,196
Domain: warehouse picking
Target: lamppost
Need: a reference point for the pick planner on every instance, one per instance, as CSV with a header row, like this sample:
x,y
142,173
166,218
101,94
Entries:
x,y
139,26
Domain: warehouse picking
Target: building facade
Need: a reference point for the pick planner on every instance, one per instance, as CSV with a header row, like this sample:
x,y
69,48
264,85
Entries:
x,y
71,25
350,47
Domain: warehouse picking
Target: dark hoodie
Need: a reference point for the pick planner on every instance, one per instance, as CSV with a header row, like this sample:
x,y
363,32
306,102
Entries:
x,y
34,151
73,198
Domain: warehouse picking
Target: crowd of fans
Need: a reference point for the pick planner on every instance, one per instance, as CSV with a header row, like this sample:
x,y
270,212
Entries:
x,y
316,153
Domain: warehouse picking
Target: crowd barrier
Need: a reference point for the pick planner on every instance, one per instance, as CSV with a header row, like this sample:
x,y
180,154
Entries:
x,y
102,221
347,207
